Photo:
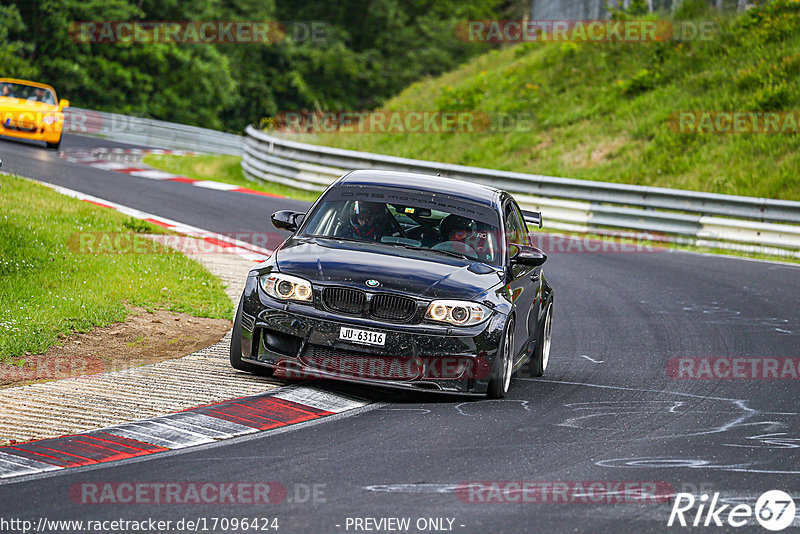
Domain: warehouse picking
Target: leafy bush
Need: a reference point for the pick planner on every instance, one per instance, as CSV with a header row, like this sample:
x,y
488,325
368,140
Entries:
x,y
691,10
362,60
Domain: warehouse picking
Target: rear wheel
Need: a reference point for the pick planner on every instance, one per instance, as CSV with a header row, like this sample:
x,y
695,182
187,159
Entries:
x,y
236,348
537,365
503,365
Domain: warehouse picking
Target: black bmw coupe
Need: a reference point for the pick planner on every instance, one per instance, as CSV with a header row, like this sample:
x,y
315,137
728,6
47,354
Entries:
x,y
401,280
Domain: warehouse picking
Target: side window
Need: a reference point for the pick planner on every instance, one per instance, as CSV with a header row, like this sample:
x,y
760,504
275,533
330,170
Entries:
x,y
516,229
525,238
512,230
515,226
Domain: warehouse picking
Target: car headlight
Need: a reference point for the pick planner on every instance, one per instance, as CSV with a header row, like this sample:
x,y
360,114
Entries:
x,y
457,312
50,119
287,287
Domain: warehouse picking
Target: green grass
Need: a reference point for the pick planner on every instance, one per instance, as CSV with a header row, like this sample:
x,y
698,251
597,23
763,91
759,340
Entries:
x,y
49,287
226,169
601,111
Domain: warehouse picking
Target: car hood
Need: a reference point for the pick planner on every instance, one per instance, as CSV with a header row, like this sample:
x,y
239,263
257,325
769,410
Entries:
x,y
412,272
19,105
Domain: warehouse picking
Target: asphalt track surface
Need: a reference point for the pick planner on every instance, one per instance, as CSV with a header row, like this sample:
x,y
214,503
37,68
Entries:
x,y
606,410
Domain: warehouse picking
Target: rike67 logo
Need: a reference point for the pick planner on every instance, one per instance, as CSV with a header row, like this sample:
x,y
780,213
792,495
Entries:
x,y
774,510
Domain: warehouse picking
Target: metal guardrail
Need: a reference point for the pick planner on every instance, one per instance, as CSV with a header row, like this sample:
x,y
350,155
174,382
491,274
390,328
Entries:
x,y
150,132
705,219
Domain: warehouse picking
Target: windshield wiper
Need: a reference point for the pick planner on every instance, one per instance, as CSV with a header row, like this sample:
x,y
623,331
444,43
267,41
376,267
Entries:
x,y
350,239
404,245
452,253
440,251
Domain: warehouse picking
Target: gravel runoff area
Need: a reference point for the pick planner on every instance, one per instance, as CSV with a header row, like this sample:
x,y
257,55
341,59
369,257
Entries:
x,y
72,405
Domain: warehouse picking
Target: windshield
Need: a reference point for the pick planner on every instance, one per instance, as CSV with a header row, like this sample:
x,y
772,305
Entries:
x,y
410,225
27,92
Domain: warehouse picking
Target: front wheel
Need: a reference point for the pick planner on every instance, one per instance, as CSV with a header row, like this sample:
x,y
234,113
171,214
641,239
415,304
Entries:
x,y
503,365
537,365
54,145
236,348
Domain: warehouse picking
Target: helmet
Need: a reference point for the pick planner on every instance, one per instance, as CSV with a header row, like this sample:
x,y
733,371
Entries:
x,y
365,215
455,228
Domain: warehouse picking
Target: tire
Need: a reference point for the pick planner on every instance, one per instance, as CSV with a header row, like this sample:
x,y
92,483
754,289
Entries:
x,y
537,365
503,364
236,348
55,145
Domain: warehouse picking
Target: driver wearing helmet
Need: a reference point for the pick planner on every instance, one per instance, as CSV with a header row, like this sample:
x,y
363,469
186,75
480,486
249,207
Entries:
x,y
460,234
368,221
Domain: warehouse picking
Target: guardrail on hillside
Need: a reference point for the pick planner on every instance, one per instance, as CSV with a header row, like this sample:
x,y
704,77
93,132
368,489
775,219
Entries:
x,y
705,219
150,132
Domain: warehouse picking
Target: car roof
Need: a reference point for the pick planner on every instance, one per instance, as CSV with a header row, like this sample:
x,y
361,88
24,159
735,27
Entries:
x,y
424,182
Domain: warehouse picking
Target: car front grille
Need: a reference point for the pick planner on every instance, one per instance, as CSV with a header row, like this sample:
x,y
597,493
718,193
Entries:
x,y
393,307
21,127
355,364
344,300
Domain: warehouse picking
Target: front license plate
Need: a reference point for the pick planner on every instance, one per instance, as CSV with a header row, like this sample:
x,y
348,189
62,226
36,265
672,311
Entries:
x,y
354,335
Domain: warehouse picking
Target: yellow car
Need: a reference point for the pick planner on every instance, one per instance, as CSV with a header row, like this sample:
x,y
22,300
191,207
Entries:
x,y
31,110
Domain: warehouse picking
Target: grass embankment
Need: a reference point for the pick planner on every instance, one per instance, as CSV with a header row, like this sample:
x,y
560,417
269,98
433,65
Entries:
x,y
48,286
601,111
226,169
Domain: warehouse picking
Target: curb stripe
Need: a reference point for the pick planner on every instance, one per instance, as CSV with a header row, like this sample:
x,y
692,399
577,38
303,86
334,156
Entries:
x,y
241,248
151,431
211,427
142,447
85,157
12,465
99,204
319,399
197,426
249,191
39,456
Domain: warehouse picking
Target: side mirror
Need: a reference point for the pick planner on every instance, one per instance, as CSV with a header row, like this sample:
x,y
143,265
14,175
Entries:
x,y
63,103
528,256
287,220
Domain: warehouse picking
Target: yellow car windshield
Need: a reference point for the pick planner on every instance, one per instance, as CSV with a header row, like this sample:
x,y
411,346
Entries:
x,y
27,92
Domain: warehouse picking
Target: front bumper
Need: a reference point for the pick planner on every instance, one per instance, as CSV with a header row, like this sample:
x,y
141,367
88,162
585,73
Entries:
x,y
299,341
37,132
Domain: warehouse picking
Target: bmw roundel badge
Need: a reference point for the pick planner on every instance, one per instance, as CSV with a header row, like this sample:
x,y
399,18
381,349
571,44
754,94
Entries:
x,y
373,283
